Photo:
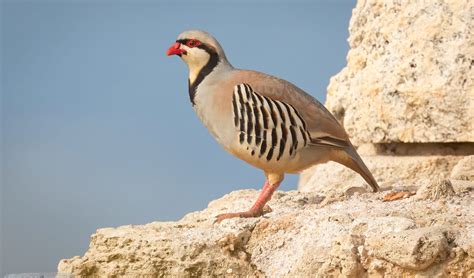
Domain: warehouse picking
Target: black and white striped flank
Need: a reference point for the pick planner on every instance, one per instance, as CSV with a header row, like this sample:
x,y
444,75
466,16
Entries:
x,y
268,128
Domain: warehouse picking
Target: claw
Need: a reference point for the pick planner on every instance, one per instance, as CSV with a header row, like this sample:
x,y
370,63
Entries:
x,y
244,214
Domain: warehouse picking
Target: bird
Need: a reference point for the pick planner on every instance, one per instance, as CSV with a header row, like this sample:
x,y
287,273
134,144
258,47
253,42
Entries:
x,y
264,120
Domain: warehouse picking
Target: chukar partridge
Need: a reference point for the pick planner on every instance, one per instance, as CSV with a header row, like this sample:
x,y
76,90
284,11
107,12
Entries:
x,y
263,120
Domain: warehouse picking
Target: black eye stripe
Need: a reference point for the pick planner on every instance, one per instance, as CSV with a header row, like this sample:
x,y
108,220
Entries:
x,y
186,41
182,41
202,46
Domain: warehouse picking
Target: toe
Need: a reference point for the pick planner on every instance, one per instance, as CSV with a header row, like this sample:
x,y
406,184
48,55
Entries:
x,y
224,216
266,209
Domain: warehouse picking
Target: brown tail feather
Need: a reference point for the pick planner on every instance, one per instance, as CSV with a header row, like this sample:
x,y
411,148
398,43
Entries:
x,y
351,159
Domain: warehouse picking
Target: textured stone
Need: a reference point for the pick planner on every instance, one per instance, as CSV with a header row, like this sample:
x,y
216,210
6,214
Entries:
x,y
374,226
409,73
435,189
192,247
389,171
464,169
302,237
416,249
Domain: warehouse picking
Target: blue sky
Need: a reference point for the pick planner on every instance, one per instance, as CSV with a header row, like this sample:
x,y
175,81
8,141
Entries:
x,y
97,128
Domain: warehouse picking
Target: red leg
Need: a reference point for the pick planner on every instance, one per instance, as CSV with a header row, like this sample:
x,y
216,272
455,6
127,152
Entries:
x,y
258,209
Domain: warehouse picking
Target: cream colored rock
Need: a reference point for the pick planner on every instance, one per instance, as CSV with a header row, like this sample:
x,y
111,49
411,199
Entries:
x,y
464,170
462,186
189,248
436,189
389,171
416,249
300,237
376,226
409,73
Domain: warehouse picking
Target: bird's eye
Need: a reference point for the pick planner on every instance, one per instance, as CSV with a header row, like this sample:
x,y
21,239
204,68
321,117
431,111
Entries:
x,y
193,43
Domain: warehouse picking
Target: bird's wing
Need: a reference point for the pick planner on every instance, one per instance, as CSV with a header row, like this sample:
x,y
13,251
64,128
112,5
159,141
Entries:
x,y
317,121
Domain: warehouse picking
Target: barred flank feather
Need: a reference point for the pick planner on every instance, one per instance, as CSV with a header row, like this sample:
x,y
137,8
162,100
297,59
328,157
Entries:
x,y
270,128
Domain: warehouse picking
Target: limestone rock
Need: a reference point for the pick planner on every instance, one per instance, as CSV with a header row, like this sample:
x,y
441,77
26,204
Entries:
x,y
352,237
389,171
462,186
436,189
409,73
375,226
415,249
186,248
464,169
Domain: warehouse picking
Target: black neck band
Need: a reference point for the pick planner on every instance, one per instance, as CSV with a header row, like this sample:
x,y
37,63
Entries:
x,y
205,71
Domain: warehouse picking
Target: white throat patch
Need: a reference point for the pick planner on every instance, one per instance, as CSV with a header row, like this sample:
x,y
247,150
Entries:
x,y
196,59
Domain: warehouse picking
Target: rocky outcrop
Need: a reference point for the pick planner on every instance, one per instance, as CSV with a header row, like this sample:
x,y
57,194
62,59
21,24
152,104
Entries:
x,y
409,73
406,96
393,166
306,235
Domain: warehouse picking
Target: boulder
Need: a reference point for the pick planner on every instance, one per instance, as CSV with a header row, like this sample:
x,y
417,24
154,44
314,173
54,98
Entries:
x,y
464,169
409,73
302,236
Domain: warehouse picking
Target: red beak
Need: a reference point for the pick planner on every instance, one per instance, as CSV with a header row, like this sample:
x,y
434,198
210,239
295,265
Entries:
x,y
175,50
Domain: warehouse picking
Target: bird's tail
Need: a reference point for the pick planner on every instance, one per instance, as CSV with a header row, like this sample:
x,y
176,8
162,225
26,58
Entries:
x,y
350,158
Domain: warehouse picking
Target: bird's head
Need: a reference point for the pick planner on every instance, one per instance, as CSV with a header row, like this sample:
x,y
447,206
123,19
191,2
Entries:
x,y
197,48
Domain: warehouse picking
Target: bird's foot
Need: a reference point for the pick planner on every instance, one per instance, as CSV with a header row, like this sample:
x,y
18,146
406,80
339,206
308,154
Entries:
x,y
244,214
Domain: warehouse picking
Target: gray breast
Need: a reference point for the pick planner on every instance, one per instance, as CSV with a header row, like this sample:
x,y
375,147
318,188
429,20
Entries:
x,y
269,129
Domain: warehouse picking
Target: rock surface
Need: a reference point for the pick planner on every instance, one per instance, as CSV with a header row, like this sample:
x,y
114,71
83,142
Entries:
x,y
305,235
394,166
411,68
464,169
389,171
